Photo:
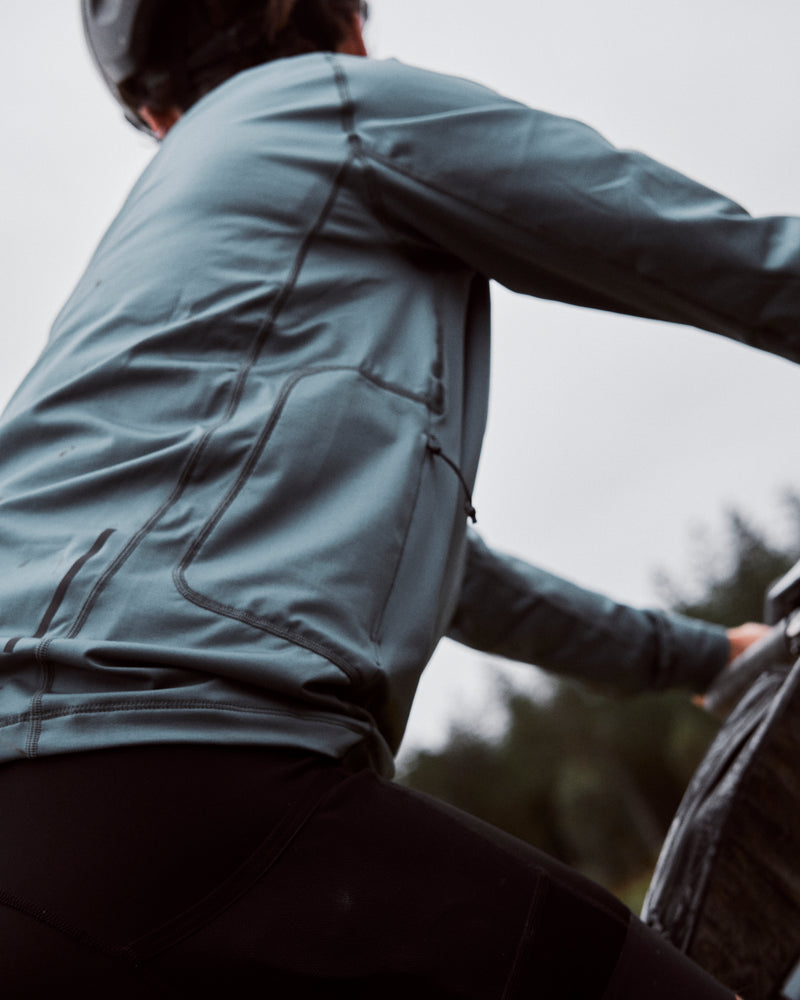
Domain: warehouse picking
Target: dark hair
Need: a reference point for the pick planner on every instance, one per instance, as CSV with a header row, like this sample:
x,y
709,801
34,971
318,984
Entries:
x,y
195,45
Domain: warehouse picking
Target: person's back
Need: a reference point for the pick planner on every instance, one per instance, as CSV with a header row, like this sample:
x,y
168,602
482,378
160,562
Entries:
x,y
234,499
235,468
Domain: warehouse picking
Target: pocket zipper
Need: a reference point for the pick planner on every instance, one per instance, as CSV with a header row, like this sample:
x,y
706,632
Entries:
x,y
435,448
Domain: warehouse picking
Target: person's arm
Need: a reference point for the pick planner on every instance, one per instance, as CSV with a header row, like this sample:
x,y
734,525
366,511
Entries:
x,y
513,609
548,207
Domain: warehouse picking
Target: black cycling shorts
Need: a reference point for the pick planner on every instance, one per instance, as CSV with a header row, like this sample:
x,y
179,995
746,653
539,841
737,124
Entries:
x,y
180,871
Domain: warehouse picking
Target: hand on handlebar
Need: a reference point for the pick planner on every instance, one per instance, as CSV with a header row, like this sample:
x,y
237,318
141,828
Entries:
x,y
753,649
742,637
739,639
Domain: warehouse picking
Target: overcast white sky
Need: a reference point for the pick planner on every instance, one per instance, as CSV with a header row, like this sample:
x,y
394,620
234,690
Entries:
x,y
610,438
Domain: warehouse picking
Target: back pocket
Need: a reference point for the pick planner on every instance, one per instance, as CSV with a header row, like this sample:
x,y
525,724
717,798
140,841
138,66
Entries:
x,y
307,540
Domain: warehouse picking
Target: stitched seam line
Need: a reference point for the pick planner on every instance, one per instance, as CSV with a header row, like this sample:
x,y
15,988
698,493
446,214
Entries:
x,y
142,533
435,402
45,916
379,621
241,614
348,127
263,625
69,576
123,706
511,983
397,390
233,405
35,716
61,590
347,107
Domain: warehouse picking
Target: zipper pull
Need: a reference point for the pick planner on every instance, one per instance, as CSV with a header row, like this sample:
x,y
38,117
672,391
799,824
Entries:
x,y
436,449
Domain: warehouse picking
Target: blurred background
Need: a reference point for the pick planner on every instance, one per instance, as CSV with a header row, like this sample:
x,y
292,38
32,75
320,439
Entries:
x,y
617,448
593,780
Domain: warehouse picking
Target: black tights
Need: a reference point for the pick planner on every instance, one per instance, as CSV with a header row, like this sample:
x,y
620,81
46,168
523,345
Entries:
x,y
206,872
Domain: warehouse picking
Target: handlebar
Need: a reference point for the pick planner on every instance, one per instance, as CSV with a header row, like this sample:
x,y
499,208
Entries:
x,y
783,597
774,652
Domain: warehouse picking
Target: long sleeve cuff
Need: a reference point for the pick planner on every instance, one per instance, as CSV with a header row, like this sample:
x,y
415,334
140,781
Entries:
x,y
513,609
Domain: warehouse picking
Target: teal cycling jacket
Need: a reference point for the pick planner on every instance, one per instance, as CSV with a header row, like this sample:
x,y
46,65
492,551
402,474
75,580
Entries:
x,y
234,489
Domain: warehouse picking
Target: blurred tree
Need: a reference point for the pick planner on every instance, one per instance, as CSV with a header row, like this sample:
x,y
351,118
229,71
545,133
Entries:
x,y
591,780
734,593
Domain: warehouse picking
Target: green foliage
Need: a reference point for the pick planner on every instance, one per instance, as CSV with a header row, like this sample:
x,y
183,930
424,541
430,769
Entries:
x,y
735,594
594,781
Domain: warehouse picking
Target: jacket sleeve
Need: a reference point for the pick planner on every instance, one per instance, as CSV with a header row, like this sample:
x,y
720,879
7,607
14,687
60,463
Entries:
x,y
512,609
548,207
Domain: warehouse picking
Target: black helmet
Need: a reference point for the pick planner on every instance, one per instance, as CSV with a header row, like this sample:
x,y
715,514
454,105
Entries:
x,y
117,33
120,35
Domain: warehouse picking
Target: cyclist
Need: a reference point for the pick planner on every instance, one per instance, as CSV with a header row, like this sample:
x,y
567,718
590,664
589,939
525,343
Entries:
x,y
234,493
